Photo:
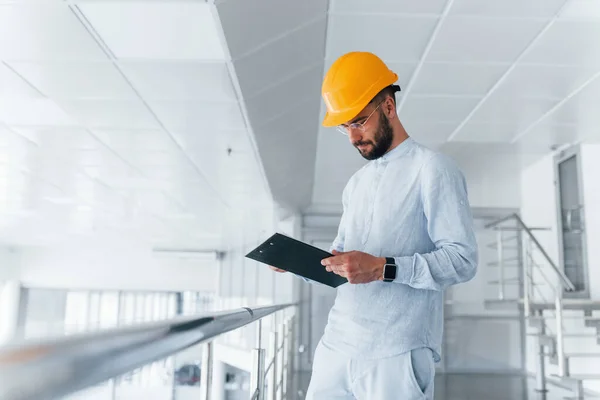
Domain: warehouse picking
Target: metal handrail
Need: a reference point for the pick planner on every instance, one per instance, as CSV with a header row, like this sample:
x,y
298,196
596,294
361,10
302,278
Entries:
x,y
68,364
564,280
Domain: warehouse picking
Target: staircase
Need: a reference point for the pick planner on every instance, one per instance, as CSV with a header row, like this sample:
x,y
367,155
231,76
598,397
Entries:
x,y
528,281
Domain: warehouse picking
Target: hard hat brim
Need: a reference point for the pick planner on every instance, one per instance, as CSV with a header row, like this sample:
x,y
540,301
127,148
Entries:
x,y
332,120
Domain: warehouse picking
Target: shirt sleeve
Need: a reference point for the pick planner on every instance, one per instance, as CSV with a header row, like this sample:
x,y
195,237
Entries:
x,y
450,227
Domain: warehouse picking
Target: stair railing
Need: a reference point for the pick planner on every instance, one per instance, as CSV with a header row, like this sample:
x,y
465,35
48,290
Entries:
x,y
530,266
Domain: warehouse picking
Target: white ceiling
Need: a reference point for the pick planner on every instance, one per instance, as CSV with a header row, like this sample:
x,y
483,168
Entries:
x,y
157,118
120,118
477,76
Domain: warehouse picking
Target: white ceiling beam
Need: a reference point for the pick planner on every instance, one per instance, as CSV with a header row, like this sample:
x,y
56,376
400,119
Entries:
x,y
430,43
508,71
240,96
556,107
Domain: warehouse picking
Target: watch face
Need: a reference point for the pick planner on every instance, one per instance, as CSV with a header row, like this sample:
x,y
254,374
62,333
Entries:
x,y
389,272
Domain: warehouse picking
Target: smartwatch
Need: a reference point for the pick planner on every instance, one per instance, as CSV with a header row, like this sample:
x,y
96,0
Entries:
x,y
389,269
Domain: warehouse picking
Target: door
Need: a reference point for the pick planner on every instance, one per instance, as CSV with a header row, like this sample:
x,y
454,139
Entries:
x,y
571,224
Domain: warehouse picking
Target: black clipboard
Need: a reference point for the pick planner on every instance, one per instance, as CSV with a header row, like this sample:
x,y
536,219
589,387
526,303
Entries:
x,y
300,258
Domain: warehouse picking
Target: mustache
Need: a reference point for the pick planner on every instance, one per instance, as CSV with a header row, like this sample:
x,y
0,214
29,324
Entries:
x,y
356,144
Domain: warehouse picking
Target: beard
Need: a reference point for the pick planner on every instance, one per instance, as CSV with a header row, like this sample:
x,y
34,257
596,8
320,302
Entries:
x,y
381,142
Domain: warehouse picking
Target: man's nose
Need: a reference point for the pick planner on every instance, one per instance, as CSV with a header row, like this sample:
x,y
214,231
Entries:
x,y
354,134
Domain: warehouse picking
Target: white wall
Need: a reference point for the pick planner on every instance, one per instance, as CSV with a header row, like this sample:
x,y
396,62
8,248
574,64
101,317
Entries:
x,y
590,164
9,263
538,208
113,264
9,292
493,180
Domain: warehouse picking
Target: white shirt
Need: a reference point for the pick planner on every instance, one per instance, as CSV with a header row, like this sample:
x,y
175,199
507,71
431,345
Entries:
x,y
410,204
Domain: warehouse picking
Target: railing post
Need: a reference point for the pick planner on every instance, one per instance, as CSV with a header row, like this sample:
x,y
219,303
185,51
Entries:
x,y
527,276
258,373
258,367
290,362
541,366
500,250
206,372
284,340
560,344
274,376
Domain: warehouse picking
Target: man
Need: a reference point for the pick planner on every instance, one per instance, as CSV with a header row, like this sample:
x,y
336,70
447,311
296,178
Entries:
x,y
405,235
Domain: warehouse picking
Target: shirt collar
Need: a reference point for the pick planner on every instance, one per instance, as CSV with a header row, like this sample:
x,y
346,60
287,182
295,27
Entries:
x,y
397,151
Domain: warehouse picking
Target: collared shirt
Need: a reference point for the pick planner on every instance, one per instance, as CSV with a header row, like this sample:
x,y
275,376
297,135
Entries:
x,y
410,204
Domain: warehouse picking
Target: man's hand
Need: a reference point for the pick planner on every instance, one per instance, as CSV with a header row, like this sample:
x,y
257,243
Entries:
x,y
277,269
356,266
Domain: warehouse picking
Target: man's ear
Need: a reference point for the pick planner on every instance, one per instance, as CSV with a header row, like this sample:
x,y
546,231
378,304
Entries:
x,y
390,108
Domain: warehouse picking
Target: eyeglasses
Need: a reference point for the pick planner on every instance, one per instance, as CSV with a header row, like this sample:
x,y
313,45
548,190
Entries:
x,y
345,129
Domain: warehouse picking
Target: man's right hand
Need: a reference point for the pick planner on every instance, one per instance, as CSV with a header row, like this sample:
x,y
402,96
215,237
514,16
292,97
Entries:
x,y
277,269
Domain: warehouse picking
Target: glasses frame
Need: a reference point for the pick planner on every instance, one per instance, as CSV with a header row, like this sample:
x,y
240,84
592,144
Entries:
x,y
345,129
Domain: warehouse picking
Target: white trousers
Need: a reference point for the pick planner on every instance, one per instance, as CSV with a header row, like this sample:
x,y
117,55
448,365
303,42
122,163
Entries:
x,y
408,376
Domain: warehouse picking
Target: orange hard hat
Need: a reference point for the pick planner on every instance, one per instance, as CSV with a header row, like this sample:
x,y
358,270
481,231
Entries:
x,y
351,83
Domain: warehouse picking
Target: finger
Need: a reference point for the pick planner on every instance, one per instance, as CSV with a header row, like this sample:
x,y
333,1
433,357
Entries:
x,y
339,270
337,253
335,260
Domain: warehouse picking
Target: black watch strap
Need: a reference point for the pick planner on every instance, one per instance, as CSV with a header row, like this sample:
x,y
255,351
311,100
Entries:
x,y
389,269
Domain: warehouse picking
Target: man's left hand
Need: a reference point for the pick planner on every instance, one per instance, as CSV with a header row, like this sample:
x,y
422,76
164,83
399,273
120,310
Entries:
x,y
356,266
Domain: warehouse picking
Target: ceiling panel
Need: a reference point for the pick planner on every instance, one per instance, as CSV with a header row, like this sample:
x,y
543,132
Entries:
x,y
15,150
404,70
546,135
44,32
142,148
522,110
468,39
410,34
157,30
181,169
457,79
202,81
267,104
581,9
437,109
388,6
222,158
581,109
76,80
568,42
12,85
292,130
302,48
491,132
202,118
507,8
32,111
136,140
429,132
212,152
117,114
196,199
59,137
293,122
552,82
264,27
